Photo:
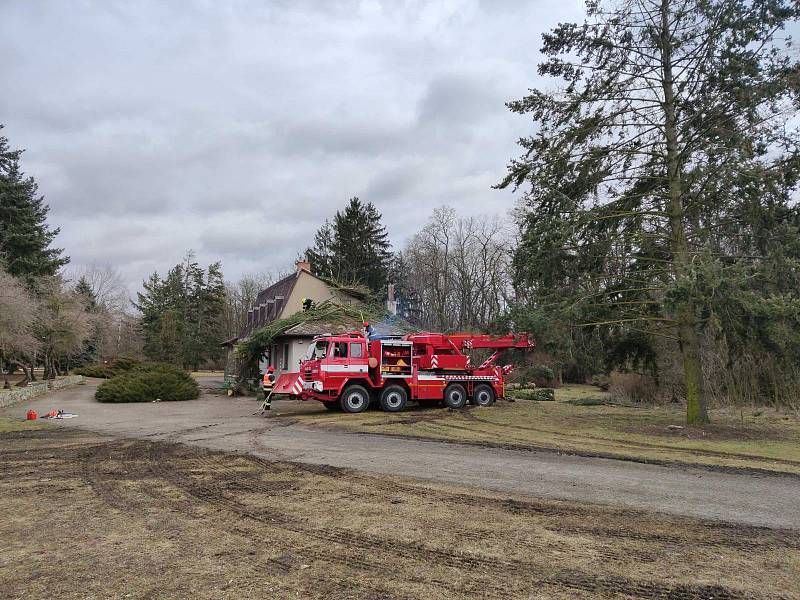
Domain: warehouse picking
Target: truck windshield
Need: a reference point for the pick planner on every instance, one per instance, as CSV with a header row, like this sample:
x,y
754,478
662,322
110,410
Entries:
x,y
317,350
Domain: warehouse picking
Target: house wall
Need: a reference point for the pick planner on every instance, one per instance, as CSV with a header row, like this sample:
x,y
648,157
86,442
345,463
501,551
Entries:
x,y
297,347
308,286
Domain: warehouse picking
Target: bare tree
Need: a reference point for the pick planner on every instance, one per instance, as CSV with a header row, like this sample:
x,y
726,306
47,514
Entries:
x,y
17,314
108,286
241,296
458,270
61,326
116,331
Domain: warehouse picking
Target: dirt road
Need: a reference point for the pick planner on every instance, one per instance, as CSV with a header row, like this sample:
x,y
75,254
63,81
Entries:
x,y
88,516
226,424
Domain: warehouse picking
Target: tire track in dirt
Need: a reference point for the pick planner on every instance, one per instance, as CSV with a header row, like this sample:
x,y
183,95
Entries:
x,y
161,456
164,462
731,532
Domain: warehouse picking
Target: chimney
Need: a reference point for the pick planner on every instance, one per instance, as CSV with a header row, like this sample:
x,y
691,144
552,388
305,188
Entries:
x,y
249,317
391,303
303,265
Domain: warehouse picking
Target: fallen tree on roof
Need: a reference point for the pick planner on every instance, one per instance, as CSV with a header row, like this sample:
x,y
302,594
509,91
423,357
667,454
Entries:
x,y
250,351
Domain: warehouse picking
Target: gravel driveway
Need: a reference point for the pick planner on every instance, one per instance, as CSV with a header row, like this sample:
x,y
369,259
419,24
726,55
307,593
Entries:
x,y
225,423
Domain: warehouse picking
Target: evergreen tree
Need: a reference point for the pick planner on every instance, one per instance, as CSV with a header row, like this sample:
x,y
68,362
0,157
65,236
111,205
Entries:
x,y
89,351
321,255
182,314
653,168
354,248
25,237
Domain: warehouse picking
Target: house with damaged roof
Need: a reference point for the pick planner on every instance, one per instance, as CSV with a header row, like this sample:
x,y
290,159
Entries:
x,y
293,294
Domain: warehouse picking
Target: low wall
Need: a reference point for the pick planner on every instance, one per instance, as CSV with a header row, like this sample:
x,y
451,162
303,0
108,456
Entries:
x,y
9,397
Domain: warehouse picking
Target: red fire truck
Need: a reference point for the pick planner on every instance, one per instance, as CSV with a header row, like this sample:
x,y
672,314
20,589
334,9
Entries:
x,y
349,371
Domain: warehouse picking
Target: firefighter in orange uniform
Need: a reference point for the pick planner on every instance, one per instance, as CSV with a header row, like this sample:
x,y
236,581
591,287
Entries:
x,y
266,385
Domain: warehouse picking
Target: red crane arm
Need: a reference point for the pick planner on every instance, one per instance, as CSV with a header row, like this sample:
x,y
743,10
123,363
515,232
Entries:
x,y
469,341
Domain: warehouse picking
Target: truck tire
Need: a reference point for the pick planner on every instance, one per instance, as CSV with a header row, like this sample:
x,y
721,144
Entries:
x,y
483,395
331,404
455,396
354,399
394,398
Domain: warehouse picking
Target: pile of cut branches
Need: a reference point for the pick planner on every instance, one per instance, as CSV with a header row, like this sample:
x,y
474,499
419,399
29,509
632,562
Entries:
x,y
250,351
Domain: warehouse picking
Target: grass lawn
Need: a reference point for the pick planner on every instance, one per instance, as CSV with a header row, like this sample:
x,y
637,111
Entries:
x,y
581,421
7,425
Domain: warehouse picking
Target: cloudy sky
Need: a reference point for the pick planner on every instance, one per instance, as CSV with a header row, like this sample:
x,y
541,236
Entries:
x,y
236,128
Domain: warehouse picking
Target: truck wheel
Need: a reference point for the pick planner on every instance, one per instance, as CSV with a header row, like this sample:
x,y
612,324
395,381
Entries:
x,y
394,398
483,395
331,404
455,396
355,399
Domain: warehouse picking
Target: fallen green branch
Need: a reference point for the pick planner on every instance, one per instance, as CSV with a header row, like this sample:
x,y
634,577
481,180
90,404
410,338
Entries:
x,y
250,351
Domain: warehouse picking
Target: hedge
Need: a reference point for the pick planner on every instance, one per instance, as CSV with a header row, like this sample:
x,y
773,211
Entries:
x,y
537,394
118,366
97,371
148,382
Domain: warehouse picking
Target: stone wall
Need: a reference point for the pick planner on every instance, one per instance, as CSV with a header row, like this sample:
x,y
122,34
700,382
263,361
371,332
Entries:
x,y
9,397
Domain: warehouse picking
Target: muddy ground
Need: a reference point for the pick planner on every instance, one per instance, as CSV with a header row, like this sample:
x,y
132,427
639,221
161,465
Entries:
x,y
86,516
221,423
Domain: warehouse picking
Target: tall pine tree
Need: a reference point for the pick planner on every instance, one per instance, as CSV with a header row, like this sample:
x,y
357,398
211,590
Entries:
x,y
668,143
25,237
182,314
354,248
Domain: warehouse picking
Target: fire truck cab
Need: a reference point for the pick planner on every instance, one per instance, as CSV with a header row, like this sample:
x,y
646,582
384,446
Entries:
x,y
351,371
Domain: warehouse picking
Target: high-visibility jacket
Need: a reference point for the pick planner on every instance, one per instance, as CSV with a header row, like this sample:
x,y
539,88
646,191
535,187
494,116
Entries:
x,y
269,380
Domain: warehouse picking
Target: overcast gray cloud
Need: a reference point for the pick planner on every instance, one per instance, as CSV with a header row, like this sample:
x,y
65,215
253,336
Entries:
x,y
236,128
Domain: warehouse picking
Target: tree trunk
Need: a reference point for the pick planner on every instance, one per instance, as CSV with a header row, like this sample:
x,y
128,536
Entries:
x,y
688,340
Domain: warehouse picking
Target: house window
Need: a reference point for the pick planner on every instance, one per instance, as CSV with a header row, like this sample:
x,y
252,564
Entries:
x,y
356,350
286,356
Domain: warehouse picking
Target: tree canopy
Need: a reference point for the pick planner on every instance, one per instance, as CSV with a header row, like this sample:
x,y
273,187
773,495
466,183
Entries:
x,y
25,238
354,248
182,314
657,184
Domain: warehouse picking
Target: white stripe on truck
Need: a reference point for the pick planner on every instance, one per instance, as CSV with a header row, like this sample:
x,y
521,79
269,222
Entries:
x,y
345,368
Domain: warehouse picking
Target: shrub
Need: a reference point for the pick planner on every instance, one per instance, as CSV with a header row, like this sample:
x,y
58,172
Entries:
x,y
542,373
147,382
601,381
537,395
100,371
632,388
537,375
117,366
123,363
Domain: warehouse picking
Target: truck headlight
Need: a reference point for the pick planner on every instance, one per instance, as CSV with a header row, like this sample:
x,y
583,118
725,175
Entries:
x,y
317,386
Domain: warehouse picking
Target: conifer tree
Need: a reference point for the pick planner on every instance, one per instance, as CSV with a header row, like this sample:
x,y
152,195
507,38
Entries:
x,y
25,237
182,314
354,248
670,137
